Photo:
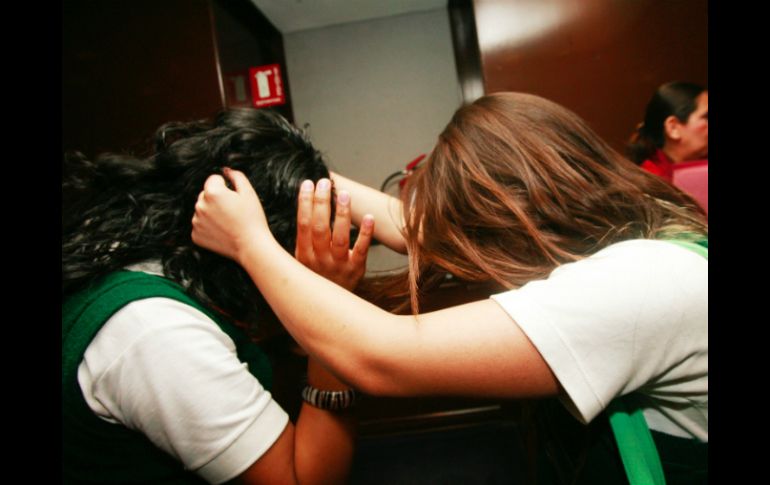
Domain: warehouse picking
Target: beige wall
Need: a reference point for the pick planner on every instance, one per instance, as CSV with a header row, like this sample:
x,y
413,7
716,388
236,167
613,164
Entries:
x,y
376,94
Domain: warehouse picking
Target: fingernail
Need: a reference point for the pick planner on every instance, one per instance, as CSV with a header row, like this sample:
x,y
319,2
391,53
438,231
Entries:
x,y
368,221
307,186
324,184
343,197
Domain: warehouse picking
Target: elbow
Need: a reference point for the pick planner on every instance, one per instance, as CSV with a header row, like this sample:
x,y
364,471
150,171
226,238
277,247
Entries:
x,y
372,385
363,375
378,374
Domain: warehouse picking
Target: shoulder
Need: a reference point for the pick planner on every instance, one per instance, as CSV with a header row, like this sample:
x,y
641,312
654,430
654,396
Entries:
x,y
635,264
643,254
632,281
159,314
192,396
634,314
152,325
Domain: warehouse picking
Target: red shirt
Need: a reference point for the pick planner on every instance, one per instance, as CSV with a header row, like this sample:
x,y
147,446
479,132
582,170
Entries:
x,y
660,165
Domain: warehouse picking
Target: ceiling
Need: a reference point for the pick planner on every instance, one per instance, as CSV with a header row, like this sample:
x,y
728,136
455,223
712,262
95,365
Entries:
x,y
295,15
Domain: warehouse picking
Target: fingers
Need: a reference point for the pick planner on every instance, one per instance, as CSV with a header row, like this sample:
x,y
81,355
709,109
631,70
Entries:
x,y
239,180
214,184
341,233
304,249
361,248
321,216
199,207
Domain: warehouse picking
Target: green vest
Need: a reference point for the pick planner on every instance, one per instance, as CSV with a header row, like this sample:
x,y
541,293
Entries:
x,y
94,450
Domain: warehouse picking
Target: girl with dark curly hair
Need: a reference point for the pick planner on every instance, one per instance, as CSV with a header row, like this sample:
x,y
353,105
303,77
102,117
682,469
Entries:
x,y
162,382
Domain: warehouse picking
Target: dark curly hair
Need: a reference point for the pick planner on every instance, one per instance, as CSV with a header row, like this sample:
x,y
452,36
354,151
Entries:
x,y
119,210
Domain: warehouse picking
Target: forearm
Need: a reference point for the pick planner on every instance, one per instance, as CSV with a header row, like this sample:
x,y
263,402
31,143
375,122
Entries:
x,y
387,211
325,440
447,352
347,334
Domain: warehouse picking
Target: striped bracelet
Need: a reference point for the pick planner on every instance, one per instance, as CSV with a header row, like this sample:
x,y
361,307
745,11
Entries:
x,y
329,400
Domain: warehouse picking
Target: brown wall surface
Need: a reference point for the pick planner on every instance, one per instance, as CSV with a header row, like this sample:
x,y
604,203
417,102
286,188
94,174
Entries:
x,y
129,67
600,58
245,39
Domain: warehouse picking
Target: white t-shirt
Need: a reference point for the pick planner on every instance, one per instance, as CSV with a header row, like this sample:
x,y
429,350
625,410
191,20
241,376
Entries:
x,y
632,317
165,369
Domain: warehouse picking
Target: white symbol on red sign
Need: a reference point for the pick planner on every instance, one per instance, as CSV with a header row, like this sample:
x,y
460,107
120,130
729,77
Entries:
x,y
263,87
266,86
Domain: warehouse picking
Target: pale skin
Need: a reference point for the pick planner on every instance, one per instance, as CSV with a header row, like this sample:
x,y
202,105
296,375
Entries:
x,y
296,457
688,140
319,448
386,210
474,349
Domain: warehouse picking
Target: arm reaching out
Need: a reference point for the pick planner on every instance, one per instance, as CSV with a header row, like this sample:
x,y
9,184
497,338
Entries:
x,y
387,211
449,352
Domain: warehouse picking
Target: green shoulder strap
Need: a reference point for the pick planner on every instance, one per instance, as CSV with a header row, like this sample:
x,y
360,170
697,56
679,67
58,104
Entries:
x,y
95,305
637,448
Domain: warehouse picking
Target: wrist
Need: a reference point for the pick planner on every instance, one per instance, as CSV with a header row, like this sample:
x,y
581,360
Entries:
x,y
325,391
337,401
256,245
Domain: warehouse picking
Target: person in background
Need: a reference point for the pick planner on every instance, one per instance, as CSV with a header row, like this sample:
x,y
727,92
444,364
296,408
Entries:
x,y
591,255
162,381
675,129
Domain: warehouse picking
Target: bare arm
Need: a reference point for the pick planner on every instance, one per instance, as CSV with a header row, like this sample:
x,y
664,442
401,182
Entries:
x,y
319,449
387,211
473,349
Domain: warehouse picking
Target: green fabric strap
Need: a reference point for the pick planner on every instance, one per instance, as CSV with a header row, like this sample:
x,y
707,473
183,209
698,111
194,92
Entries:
x,y
92,307
637,448
96,451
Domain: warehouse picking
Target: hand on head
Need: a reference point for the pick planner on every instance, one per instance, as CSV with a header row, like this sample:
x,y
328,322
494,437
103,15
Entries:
x,y
325,251
225,219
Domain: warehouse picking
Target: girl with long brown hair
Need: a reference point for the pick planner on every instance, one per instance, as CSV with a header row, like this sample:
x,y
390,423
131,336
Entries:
x,y
595,301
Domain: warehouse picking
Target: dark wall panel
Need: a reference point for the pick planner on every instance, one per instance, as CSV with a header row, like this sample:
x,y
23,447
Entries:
x,y
600,58
245,39
130,66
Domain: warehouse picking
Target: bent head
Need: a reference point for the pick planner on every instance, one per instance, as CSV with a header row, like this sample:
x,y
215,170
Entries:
x,y
515,186
273,154
276,157
146,212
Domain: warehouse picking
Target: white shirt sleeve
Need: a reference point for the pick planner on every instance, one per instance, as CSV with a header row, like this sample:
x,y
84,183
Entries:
x,y
634,316
167,370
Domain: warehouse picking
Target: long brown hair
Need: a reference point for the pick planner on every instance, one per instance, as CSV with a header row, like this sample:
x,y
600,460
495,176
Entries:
x,y
518,185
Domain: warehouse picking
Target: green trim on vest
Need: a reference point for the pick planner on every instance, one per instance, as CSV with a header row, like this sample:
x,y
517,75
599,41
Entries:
x,y
96,451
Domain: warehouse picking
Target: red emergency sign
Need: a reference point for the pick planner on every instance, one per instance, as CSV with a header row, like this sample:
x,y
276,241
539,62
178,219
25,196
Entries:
x,y
266,86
